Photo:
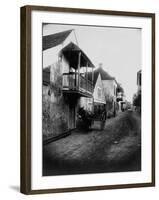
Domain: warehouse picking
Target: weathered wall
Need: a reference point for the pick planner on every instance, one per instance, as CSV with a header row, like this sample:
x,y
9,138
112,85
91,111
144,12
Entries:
x,y
46,122
55,106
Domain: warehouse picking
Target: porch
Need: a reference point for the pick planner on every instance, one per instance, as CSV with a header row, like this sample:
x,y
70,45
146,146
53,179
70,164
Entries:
x,y
76,83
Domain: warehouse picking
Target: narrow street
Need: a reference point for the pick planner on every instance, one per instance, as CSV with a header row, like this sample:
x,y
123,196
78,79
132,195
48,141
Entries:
x,y
115,149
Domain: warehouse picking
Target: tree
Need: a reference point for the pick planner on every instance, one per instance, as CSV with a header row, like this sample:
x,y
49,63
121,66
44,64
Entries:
x,y
137,99
120,88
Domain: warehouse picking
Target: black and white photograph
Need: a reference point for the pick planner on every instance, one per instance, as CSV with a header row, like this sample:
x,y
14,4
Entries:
x,y
88,99
91,99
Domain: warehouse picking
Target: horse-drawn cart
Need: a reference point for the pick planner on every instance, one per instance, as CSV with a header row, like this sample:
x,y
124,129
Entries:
x,y
91,120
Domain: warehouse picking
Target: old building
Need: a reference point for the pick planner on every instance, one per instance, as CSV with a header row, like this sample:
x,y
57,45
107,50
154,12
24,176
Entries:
x,y
120,98
97,102
104,94
63,82
110,90
98,94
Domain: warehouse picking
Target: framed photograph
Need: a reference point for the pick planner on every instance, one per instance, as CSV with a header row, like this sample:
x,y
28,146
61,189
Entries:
x,y
87,99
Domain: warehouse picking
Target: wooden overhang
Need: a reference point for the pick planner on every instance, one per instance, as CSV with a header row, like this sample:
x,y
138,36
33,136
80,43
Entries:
x,y
71,53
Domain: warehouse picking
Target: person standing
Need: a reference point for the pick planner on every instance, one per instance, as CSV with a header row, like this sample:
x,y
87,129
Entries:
x,y
103,119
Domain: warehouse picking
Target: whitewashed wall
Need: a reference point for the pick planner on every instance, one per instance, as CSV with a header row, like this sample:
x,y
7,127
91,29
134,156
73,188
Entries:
x,y
99,85
50,56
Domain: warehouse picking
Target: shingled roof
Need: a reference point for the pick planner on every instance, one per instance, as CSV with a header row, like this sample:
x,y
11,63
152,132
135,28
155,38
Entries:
x,y
102,72
53,40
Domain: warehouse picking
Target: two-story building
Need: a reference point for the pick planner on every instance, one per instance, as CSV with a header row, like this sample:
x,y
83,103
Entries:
x,y
97,102
63,82
110,89
105,92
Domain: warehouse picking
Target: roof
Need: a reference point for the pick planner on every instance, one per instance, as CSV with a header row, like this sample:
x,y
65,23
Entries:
x,y
104,76
71,53
103,73
46,76
53,40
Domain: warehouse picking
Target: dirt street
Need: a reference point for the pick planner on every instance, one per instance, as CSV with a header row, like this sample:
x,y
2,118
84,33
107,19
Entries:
x,y
115,149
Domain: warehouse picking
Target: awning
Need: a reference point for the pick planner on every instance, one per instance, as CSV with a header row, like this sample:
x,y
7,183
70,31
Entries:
x,y
53,40
71,53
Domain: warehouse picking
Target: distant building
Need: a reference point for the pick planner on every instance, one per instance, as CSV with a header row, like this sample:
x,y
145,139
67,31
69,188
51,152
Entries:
x,y
137,96
110,89
120,98
98,94
139,80
97,102
63,82
105,92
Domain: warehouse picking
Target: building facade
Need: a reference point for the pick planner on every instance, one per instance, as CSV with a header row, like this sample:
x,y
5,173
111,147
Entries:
x,y
97,102
105,93
110,90
63,82
120,98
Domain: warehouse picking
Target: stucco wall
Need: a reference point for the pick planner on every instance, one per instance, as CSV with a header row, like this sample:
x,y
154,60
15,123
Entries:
x,y
55,106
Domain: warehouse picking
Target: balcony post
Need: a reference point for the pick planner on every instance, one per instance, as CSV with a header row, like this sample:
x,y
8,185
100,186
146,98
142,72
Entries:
x,y
87,77
79,65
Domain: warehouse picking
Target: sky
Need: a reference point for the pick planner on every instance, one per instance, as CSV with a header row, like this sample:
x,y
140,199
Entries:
x,y
118,49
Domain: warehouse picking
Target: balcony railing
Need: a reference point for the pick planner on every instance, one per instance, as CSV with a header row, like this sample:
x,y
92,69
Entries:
x,y
76,83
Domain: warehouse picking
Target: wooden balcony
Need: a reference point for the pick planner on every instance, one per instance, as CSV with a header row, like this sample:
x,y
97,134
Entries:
x,y
74,83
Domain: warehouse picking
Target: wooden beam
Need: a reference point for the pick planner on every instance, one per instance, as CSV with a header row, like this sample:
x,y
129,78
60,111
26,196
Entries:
x,y
92,74
87,76
79,66
92,77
